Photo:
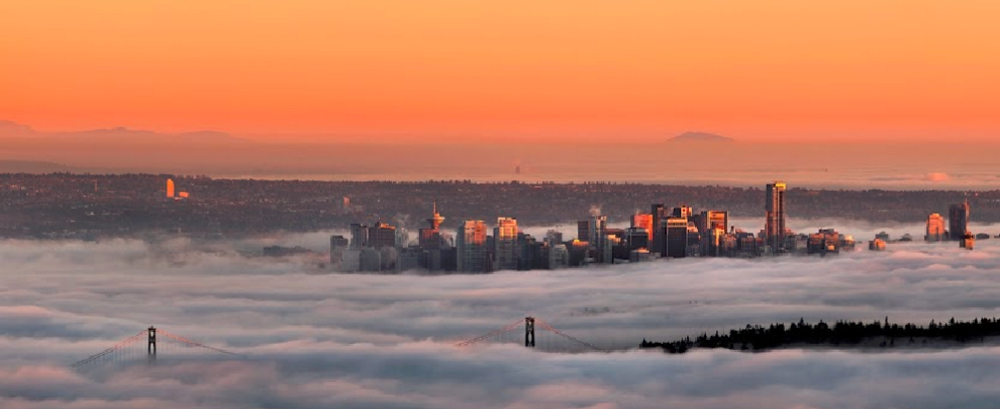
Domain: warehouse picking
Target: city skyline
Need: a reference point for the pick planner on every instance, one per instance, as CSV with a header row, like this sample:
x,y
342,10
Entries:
x,y
445,204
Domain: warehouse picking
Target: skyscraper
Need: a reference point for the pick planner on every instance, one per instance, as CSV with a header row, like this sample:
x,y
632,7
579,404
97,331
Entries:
x,y
655,238
775,224
643,221
713,224
470,244
583,230
170,188
677,237
505,241
935,228
958,220
382,235
359,236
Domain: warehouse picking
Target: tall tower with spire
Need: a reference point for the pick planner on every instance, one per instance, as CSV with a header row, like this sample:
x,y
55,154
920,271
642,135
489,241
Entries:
x,y
436,220
430,238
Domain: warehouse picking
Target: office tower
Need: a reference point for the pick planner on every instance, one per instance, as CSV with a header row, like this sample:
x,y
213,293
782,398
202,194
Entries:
x,y
359,236
553,237
644,221
636,238
505,242
598,238
935,228
470,247
654,233
170,188
677,237
775,223
716,219
558,256
382,235
712,225
958,220
337,246
682,211
583,230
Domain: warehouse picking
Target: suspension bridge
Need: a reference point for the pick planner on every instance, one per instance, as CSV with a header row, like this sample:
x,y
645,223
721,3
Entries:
x,y
548,339
130,350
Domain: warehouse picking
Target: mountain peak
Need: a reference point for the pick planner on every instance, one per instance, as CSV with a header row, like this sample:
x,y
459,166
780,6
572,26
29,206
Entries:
x,y
11,128
700,137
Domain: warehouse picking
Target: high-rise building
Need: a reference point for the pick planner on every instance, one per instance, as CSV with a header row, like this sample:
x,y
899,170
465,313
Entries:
x,y
382,235
558,256
337,246
655,238
713,224
637,238
596,230
505,241
677,237
682,211
958,220
775,223
935,228
359,236
583,230
470,246
644,221
170,188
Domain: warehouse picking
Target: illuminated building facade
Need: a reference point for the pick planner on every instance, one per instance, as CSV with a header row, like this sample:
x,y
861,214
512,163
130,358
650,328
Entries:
x,y
470,244
774,228
505,244
935,228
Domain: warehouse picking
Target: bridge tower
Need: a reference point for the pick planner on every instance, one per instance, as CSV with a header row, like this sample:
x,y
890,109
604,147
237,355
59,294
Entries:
x,y
529,332
151,344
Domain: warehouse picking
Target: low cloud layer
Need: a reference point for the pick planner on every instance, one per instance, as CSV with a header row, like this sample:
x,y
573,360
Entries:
x,y
363,341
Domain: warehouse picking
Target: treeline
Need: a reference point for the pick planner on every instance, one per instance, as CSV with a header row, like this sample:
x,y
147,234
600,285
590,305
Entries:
x,y
756,338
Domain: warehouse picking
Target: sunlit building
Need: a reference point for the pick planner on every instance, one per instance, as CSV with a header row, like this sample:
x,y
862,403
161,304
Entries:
x,y
958,220
382,235
170,188
935,228
774,228
968,241
826,241
876,245
470,245
505,241
644,221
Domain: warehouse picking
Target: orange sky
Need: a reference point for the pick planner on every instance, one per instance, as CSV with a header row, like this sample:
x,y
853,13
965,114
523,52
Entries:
x,y
749,69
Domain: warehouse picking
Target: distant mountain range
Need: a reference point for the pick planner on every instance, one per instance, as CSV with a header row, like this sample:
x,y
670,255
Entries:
x,y
700,137
119,134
